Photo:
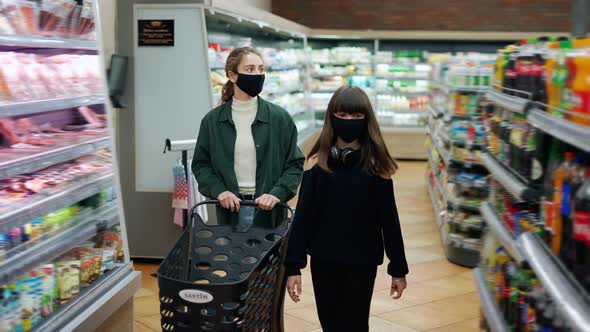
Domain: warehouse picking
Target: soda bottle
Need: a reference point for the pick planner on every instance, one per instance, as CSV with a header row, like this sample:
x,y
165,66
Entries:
x,y
547,204
567,94
550,72
581,86
523,67
510,73
581,216
563,172
570,184
538,71
499,70
559,78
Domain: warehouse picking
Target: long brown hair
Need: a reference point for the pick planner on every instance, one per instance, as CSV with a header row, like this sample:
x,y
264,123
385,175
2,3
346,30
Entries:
x,y
375,158
232,64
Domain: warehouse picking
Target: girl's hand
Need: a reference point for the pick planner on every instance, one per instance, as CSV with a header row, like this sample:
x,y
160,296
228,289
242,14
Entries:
x,y
267,202
397,286
229,201
294,287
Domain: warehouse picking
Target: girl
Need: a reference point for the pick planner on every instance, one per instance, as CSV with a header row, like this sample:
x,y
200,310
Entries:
x,y
247,147
346,215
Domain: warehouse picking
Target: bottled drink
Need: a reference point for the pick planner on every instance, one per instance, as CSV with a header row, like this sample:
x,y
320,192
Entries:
x,y
581,216
581,87
567,93
559,79
570,184
563,172
550,72
547,203
523,67
510,73
538,71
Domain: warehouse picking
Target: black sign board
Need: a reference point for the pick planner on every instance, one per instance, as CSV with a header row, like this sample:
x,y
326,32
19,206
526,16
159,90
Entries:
x,y
155,32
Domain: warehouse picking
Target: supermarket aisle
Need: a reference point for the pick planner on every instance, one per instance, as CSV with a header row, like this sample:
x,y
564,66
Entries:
x,y
440,295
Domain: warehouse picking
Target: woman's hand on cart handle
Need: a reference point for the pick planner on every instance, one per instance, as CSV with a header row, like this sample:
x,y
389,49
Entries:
x,y
229,201
294,287
397,287
267,202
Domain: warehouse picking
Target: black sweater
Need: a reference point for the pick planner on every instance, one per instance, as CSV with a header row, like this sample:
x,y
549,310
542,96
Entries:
x,y
346,217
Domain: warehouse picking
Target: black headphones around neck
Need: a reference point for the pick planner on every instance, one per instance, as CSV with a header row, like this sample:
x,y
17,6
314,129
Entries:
x,y
341,156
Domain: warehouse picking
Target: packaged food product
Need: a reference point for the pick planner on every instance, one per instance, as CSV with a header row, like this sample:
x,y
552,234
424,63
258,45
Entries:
x,y
108,260
48,274
68,279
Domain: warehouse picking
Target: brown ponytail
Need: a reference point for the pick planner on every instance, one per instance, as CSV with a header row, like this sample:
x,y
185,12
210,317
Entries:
x,y
232,64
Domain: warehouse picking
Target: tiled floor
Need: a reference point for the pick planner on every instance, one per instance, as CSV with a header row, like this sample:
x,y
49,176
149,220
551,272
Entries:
x,y
441,296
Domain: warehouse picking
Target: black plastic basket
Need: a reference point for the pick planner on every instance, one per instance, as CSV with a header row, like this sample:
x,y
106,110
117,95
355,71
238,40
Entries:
x,y
216,279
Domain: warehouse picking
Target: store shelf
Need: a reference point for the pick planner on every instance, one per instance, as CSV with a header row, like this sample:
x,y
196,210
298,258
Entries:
x,y
462,256
512,103
435,111
34,107
51,248
401,112
43,42
567,131
565,291
494,317
395,92
500,232
403,130
46,157
435,204
305,134
509,181
446,88
89,309
270,94
404,77
47,204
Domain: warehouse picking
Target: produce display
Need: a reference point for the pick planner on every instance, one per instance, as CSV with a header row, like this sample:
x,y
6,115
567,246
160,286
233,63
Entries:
x,y
50,18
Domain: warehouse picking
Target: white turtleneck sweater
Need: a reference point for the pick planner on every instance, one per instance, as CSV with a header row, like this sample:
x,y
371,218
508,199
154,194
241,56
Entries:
x,y
243,114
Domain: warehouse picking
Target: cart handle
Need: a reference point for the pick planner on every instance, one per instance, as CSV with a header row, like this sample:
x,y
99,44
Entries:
x,y
242,203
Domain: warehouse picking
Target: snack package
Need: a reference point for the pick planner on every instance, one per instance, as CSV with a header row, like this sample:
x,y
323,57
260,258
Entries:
x,y
112,240
108,260
48,285
68,279
28,11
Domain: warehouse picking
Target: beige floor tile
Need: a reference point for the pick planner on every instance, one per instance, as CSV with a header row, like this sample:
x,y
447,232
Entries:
x,y
421,240
433,270
377,324
418,228
421,318
294,324
421,293
470,325
306,300
382,303
308,314
143,292
152,322
466,306
147,306
138,327
415,256
454,283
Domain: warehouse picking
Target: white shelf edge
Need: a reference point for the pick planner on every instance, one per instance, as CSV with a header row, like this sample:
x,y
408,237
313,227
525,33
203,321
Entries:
x,y
97,302
403,130
77,192
512,103
503,235
45,42
489,307
55,246
508,181
435,205
571,299
34,107
38,161
567,131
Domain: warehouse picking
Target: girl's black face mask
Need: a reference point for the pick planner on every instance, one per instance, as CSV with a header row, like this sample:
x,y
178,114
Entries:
x,y
348,130
250,84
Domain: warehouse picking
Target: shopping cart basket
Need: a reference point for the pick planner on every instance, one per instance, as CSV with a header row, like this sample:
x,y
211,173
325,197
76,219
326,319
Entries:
x,y
217,279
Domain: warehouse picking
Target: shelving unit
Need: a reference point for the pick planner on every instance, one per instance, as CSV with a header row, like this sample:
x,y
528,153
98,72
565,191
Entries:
x,y
101,299
38,106
45,157
46,42
573,300
490,310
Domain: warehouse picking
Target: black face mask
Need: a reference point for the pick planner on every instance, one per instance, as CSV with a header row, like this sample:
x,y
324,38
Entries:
x,y
348,130
250,84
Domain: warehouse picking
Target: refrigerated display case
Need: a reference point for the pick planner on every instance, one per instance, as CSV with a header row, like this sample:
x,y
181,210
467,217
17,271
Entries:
x,y
61,221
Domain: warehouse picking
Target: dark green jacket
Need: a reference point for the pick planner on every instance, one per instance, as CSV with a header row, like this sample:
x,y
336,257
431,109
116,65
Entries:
x,y
279,161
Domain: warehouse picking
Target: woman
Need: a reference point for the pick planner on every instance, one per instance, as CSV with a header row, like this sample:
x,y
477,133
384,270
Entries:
x,y
346,215
247,147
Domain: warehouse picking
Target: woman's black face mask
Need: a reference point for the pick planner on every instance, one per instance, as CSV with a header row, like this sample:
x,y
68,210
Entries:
x,y
250,84
348,130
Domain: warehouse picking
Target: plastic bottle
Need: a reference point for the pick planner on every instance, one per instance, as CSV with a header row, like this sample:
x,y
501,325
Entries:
x,y
538,72
571,184
559,78
510,73
581,216
561,173
499,70
550,72
567,93
581,85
